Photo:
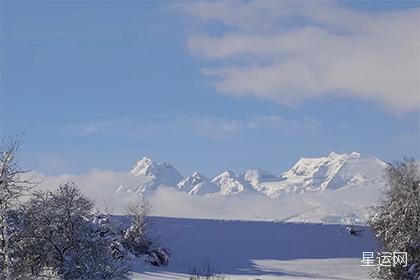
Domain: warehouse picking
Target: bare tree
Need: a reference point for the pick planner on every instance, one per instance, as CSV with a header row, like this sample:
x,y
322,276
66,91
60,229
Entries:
x,y
13,186
397,220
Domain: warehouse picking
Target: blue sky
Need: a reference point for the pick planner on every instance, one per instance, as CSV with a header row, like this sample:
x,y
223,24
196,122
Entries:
x,y
208,85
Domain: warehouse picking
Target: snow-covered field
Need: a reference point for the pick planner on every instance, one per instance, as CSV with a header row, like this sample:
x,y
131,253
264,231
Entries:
x,y
259,250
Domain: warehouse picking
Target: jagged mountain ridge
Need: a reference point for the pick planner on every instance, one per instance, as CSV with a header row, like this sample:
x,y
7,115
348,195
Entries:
x,y
333,172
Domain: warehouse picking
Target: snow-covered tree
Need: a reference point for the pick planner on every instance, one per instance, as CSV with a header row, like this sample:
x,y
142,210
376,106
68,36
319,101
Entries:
x,y
136,238
396,222
12,187
60,239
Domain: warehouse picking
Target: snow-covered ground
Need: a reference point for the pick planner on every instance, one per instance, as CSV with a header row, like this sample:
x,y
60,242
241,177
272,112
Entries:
x,y
259,250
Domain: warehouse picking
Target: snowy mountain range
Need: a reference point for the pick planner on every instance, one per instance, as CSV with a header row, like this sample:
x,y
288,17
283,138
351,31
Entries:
x,y
329,173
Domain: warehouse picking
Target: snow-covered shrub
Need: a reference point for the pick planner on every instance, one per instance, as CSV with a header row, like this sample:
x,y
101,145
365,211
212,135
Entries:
x,y
158,256
396,222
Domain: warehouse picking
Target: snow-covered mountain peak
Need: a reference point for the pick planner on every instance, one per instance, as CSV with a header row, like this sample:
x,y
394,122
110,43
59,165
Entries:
x,y
188,183
156,173
336,156
146,166
355,155
230,183
331,172
196,175
256,176
333,155
142,166
334,171
225,174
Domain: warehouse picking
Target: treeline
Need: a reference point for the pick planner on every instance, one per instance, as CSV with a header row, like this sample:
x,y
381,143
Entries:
x,y
58,235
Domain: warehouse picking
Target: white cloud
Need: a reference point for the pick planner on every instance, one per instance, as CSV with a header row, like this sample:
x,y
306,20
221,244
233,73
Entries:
x,y
100,186
168,202
291,51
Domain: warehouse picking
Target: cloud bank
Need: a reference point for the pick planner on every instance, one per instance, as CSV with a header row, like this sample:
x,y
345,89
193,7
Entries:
x,y
290,51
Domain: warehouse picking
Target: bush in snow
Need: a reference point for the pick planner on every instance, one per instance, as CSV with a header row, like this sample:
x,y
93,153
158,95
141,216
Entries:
x,y
158,256
397,221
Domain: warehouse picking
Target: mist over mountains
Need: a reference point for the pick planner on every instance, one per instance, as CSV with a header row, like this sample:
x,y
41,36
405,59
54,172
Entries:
x,y
337,188
329,173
